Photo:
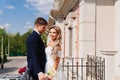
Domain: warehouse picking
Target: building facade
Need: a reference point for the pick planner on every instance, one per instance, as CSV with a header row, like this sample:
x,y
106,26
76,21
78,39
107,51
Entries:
x,y
89,27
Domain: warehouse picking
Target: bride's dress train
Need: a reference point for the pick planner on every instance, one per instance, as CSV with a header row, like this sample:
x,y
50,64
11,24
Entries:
x,y
49,65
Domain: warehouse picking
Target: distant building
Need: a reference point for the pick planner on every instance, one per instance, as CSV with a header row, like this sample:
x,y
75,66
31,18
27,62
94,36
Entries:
x,y
89,27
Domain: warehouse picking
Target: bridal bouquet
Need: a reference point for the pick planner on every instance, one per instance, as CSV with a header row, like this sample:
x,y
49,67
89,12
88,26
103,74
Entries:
x,y
51,72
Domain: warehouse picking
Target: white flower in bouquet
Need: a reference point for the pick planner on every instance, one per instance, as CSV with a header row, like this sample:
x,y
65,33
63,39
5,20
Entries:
x,y
51,72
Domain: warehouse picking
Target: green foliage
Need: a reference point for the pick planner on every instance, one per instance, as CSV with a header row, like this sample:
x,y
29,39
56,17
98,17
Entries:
x,y
17,42
4,34
44,38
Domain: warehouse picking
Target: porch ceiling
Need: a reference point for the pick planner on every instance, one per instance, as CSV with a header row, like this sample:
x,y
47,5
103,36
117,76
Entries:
x,y
62,11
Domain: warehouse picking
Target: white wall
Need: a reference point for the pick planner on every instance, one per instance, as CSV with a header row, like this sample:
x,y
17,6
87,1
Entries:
x,y
117,36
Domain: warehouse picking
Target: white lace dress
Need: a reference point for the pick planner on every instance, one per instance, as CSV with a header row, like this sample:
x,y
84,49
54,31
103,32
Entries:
x,y
49,65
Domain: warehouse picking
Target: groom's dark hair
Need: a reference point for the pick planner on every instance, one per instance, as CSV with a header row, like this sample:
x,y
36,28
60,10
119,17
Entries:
x,y
40,21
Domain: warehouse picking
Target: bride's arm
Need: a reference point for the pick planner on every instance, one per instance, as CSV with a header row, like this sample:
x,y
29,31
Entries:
x,y
57,60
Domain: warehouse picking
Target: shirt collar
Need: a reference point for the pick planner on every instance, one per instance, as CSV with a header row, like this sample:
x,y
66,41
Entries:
x,y
37,32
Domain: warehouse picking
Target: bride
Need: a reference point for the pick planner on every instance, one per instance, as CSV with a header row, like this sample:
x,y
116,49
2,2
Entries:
x,y
53,52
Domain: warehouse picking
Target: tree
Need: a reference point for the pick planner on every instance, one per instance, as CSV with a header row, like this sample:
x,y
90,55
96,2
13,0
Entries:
x,y
17,42
3,35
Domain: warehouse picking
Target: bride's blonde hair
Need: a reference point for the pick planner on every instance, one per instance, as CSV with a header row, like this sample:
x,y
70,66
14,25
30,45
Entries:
x,y
58,41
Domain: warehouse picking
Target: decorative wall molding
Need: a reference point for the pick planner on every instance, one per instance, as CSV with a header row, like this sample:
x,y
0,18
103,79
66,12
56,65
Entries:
x,y
61,9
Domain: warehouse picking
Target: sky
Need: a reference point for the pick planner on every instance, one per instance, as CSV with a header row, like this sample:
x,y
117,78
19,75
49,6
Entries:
x,y
19,15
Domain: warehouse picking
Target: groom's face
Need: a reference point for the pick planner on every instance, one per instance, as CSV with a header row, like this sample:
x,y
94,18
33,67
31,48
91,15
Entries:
x,y
41,28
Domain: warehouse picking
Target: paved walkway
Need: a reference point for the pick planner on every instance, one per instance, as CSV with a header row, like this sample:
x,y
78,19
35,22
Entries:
x,y
13,64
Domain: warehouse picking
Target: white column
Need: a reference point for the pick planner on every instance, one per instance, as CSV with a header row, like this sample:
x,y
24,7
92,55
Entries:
x,y
109,64
87,28
117,36
105,26
66,40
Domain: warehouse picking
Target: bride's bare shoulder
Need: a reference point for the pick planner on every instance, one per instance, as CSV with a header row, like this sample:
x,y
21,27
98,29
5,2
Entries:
x,y
49,44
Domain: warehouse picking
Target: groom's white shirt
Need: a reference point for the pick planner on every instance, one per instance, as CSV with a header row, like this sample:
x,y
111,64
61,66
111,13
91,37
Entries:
x,y
36,31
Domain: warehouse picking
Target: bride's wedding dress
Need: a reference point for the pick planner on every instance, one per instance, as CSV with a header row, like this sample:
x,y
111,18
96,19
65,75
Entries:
x,y
49,65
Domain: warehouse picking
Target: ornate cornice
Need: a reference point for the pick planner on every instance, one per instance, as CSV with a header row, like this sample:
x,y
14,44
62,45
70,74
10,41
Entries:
x,y
61,9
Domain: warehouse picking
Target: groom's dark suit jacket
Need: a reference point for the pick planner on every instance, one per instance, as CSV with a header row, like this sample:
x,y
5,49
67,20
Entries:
x,y
36,56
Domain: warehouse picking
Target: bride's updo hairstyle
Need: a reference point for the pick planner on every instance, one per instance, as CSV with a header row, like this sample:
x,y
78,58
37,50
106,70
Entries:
x,y
58,41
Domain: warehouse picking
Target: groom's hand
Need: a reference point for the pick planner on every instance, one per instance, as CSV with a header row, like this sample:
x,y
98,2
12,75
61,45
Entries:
x,y
41,76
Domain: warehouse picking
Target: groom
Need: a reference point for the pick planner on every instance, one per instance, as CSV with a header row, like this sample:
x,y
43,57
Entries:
x,y
36,57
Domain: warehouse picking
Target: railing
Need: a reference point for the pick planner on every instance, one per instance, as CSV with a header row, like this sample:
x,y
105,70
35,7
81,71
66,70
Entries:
x,y
90,68
96,67
24,76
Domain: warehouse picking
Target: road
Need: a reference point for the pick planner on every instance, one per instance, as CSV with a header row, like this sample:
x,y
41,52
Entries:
x,y
13,65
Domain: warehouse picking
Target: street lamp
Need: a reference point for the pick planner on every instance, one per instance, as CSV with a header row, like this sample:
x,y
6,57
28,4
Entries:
x,y
8,46
2,56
